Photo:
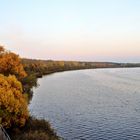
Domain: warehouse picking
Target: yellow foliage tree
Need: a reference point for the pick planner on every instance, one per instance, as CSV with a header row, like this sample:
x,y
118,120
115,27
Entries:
x,y
13,105
10,63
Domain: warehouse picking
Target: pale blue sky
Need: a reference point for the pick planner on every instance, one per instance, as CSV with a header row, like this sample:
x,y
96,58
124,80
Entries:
x,y
90,30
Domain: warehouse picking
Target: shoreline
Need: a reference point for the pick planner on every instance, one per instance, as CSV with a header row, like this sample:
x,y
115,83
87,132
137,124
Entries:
x,y
49,73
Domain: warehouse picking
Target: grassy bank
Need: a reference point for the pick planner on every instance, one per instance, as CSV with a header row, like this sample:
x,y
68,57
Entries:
x,y
34,129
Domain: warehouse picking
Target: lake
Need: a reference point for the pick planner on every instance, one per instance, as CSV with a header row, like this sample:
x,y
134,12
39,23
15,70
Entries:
x,y
90,104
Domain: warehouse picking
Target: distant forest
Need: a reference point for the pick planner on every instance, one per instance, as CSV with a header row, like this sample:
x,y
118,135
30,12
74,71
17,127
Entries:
x,y
37,68
42,67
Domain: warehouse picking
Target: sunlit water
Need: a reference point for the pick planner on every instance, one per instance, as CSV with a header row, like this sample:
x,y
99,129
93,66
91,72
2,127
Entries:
x,y
91,104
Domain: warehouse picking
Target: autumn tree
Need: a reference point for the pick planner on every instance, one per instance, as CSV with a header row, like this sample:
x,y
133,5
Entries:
x,y
13,105
10,63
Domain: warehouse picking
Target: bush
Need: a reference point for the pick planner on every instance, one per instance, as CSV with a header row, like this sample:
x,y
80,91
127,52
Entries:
x,y
34,129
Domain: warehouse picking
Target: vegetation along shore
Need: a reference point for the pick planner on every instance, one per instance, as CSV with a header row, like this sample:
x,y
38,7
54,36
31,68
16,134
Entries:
x,y
17,77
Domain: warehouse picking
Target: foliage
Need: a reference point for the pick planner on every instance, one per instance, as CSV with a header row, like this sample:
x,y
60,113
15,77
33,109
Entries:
x,y
29,82
10,63
35,130
37,68
13,105
42,67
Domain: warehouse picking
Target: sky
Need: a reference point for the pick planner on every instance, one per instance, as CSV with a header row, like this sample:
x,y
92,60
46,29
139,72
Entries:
x,y
82,30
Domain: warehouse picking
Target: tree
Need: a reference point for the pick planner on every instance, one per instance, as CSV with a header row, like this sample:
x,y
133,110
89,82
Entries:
x,y
13,105
10,63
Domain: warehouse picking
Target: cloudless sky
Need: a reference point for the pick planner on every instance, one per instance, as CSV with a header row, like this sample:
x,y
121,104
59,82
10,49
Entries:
x,y
86,30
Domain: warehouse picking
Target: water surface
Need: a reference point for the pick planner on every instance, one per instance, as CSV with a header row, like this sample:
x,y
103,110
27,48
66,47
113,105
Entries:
x,y
91,104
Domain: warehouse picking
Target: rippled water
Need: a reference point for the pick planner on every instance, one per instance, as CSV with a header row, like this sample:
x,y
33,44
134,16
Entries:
x,y
91,104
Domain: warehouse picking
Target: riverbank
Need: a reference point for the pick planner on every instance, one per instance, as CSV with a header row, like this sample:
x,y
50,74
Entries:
x,y
34,129
14,100
36,69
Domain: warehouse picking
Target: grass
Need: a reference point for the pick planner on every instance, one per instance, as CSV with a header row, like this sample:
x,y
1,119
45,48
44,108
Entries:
x,y
34,129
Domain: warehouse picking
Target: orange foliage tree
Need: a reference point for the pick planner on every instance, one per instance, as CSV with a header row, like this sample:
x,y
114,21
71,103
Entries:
x,y
13,105
10,63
